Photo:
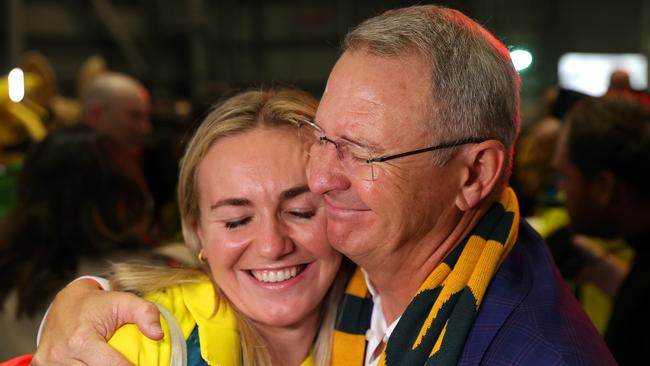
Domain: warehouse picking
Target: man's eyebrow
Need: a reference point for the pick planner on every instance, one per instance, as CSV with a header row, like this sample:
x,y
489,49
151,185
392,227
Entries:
x,y
231,202
355,141
294,192
362,143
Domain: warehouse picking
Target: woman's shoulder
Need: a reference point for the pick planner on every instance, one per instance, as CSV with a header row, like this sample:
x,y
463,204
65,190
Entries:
x,y
192,306
191,299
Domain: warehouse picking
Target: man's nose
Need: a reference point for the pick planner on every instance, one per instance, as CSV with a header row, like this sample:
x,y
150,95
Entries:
x,y
325,173
273,241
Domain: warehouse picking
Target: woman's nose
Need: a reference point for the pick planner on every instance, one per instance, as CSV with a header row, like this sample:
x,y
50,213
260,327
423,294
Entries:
x,y
273,241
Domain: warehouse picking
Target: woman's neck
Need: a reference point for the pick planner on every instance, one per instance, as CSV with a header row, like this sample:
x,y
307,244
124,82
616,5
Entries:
x,y
290,345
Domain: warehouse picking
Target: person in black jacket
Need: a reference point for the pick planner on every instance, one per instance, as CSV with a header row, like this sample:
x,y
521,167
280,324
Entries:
x,y
602,157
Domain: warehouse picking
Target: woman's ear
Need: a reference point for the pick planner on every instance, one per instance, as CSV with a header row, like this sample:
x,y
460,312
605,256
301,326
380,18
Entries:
x,y
199,234
484,165
201,256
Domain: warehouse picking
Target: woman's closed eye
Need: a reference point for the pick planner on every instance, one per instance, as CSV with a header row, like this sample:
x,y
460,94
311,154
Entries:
x,y
302,214
233,224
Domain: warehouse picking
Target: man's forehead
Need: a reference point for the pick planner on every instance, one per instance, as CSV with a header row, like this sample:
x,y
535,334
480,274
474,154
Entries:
x,y
133,98
367,115
353,111
365,85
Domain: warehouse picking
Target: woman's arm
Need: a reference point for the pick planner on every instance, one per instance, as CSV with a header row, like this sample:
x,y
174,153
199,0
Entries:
x,y
81,319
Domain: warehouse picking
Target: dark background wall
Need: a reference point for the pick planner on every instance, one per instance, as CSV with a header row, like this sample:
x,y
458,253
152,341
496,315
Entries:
x,y
196,49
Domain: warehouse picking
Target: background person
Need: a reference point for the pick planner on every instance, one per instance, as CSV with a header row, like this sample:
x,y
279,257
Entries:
x,y
118,105
601,156
75,209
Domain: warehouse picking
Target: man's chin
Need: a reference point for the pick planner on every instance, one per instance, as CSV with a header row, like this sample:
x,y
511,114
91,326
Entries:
x,y
348,238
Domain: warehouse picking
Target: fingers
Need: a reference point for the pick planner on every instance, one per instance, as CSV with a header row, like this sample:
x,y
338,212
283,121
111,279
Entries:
x,y
82,318
95,352
141,312
84,346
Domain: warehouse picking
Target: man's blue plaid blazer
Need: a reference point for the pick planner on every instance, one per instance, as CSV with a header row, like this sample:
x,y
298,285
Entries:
x,y
529,316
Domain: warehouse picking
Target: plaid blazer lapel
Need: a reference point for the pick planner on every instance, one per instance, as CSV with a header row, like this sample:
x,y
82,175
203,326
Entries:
x,y
508,288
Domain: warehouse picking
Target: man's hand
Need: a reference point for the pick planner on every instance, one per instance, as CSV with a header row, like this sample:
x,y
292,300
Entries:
x,y
83,317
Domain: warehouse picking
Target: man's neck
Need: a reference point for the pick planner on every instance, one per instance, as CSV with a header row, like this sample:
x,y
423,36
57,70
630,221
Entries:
x,y
398,279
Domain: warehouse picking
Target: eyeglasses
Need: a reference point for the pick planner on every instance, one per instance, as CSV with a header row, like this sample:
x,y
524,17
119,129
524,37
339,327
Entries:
x,y
360,161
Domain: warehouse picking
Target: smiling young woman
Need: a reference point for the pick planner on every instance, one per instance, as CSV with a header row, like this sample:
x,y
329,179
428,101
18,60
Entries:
x,y
264,292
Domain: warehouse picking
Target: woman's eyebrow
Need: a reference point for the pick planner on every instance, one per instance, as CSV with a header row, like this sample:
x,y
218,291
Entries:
x,y
231,202
294,192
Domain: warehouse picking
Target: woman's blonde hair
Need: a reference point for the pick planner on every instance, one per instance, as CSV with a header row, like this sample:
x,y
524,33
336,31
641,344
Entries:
x,y
243,112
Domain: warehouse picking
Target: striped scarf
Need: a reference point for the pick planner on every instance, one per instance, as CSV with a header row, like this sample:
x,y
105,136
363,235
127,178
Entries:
x,y
435,325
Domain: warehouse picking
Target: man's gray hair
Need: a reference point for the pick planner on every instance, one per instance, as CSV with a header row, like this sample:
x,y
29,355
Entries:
x,y
475,87
103,88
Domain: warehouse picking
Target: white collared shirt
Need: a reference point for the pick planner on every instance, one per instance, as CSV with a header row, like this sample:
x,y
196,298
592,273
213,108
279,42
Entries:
x,y
379,331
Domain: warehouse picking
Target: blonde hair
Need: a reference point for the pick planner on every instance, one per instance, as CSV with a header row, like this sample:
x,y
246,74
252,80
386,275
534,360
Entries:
x,y
243,112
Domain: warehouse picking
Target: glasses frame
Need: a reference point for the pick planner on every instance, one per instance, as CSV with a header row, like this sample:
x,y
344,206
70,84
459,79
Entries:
x,y
445,145
380,159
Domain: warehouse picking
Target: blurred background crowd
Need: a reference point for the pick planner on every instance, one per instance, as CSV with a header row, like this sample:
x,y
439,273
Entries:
x,y
89,146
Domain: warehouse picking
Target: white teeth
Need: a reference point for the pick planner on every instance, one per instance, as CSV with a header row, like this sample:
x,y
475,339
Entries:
x,y
275,276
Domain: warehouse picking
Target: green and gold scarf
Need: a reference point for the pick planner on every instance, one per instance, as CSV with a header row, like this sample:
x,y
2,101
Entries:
x,y
435,325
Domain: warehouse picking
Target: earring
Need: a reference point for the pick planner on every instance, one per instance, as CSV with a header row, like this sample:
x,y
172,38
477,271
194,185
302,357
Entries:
x,y
201,256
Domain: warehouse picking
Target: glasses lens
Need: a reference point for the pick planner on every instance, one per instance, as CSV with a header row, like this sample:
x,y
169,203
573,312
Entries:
x,y
307,137
310,138
372,169
355,160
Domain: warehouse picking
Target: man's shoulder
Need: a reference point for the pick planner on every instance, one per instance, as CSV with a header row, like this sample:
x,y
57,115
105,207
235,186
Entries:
x,y
529,316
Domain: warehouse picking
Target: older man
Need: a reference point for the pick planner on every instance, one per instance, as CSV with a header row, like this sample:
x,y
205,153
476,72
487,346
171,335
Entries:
x,y
453,275
416,128
118,105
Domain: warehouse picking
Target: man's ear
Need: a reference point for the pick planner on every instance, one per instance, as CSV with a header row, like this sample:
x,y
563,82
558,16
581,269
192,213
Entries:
x,y
603,188
483,166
